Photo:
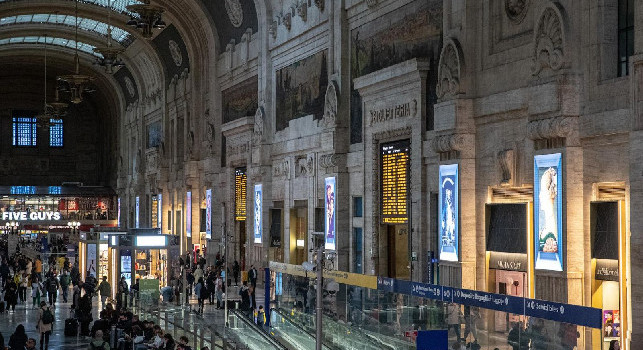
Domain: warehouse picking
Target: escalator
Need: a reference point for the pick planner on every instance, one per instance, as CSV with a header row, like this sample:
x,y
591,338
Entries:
x,y
291,334
247,334
347,337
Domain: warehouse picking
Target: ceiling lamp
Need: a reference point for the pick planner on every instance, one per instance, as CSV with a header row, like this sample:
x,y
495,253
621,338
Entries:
x,y
150,17
110,59
54,110
77,83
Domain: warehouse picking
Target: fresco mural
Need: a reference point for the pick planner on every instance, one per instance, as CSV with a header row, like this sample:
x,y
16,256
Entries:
x,y
412,31
240,100
301,89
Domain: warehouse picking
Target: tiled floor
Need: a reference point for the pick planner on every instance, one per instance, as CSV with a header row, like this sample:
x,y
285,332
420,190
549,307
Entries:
x,y
28,317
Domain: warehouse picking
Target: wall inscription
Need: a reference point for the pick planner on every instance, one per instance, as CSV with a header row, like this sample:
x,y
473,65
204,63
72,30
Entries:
x,y
403,110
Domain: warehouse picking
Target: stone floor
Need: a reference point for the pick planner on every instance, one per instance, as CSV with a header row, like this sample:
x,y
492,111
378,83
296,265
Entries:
x,y
28,317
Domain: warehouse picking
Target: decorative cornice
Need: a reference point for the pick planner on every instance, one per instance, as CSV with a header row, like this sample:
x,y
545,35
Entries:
x,y
550,128
448,143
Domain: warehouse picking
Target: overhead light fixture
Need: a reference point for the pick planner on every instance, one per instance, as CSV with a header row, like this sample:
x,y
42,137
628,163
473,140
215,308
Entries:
x,y
55,110
77,83
149,17
110,59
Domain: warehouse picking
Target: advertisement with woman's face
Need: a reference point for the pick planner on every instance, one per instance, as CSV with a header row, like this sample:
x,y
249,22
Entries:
x,y
329,206
548,212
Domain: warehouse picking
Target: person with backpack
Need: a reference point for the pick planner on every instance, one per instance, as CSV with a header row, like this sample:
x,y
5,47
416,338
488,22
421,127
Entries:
x,y
52,289
105,290
45,322
65,280
11,294
99,343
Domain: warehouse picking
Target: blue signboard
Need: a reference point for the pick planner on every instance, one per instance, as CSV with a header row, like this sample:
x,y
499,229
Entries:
x,y
548,212
386,284
498,302
433,340
574,314
448,212
427,291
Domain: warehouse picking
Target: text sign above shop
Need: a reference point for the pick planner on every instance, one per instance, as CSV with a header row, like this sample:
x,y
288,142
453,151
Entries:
x,y
395,170
32,216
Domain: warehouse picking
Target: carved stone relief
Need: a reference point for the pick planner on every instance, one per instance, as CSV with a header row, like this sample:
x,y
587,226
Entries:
x,y
272,29
320,4
550,128
302,10
449,70
287,20
328,160
548,42
516,10
258,130
371,3
448,143
190,143
330,106
305,165
281,168
235,12
237,146
175,51
507,163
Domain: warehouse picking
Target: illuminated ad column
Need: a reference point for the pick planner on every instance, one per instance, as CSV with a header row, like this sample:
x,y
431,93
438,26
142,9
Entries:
x,y
208,214
137,212
548,212
188,216
159,210
330,238
448,217
258,218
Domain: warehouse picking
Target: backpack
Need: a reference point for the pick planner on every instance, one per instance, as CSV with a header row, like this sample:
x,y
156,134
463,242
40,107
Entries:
x,y
47,317
94,347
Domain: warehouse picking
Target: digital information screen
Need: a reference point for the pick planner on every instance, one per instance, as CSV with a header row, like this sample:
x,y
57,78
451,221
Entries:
x,y
395,178
240,193
155,212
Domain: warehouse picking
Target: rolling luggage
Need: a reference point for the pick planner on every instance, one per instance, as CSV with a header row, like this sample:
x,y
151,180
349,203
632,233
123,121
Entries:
x,y
71,327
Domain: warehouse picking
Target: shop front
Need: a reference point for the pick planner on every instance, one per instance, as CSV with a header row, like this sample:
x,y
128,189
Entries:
x,y
607,221
145,256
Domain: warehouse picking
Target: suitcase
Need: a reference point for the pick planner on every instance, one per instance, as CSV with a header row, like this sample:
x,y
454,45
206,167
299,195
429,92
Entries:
x,y
71,327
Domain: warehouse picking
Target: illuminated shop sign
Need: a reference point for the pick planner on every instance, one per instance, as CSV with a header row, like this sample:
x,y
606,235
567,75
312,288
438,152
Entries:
x,y
159,211
151,241
258,232
548,212
395,169
448,225
240,193
31,216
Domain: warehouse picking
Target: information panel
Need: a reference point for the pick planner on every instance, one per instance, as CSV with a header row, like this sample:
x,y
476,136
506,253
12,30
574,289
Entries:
x,y
155,212
208,214
258,218
136,220
394,187
188,214
240,194
159,210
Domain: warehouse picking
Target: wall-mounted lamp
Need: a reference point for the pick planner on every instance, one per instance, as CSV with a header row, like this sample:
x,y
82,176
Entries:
x,y
300,243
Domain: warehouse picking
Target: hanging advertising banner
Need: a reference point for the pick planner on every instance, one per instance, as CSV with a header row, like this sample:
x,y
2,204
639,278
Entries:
x,y
329,206
90,261
449,205
188,214
118,213
208,214
548,212
137,212
159,209
258,218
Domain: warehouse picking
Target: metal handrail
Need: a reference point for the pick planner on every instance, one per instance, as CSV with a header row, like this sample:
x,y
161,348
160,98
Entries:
x,y
256,328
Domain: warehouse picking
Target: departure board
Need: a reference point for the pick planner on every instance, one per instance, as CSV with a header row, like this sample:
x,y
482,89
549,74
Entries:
x,y
155,212
395,179
240,193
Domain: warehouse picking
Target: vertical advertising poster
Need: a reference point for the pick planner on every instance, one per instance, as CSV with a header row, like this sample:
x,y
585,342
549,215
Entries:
x,y
159,210
548,212
329,206
126,266
90,262
118,213
448,212
208,214
258,218
137,211
611,324
188,214
155,211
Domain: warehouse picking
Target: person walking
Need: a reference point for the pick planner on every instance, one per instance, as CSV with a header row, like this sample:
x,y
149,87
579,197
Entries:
x,y
199,291
236,269
218,290
245,296
22,287
18,339
38,267
45,322
11,294
252,275
36,291
105,290
52,289
121,296
65,280
84,313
